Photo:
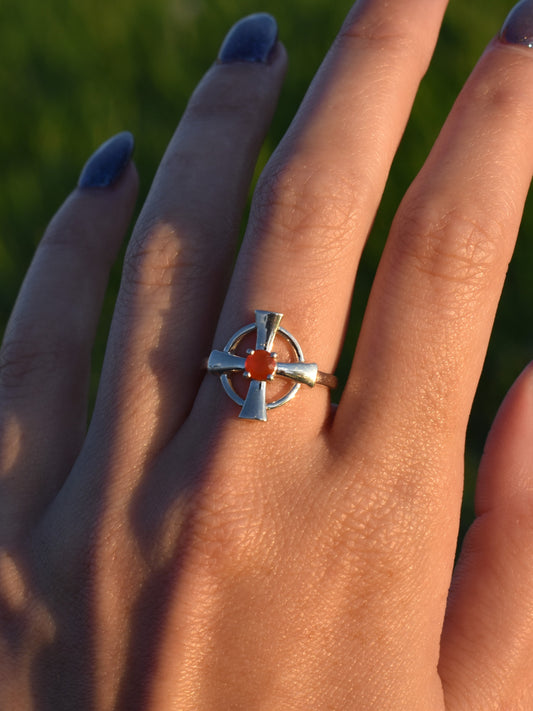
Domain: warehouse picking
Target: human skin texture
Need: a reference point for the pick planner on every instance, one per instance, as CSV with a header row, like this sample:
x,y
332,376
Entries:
x,y
171,556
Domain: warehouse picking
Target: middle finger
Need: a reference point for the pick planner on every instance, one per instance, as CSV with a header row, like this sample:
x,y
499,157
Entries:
x,y
181,250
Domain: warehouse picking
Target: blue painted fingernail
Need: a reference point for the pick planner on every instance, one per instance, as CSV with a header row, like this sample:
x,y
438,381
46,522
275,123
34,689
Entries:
x,y
252,39
518,27
107,164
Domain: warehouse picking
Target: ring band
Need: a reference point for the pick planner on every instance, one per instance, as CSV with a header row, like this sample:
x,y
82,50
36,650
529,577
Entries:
x,y
261,366
330,381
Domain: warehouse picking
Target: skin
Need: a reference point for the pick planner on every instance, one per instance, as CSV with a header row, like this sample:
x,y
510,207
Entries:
x,y
173,556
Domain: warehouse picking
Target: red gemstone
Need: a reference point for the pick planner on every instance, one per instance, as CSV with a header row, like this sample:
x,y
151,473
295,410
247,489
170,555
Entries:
x,y
260,364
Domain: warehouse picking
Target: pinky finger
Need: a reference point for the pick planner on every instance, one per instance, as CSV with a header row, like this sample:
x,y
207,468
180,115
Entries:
x,y
45,355
487,643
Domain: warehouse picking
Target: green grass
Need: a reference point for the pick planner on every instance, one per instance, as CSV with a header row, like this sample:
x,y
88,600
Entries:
x,y
73,73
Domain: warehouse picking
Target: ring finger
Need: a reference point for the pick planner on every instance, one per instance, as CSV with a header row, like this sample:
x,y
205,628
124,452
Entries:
x,y
309,220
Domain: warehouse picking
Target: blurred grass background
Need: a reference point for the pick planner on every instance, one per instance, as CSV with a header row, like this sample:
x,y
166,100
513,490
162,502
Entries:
x,y
74,73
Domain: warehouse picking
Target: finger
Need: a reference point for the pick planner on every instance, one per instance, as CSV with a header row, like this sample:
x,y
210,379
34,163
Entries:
x,y
316,200
439,281
45,356
177,263
432,307
507,462
487,643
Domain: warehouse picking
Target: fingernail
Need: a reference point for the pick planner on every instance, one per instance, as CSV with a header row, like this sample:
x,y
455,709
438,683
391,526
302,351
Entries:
x,y
107,164
252,39
518,27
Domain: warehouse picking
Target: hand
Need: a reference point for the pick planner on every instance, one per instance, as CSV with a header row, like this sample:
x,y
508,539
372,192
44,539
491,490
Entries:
x,y
178,557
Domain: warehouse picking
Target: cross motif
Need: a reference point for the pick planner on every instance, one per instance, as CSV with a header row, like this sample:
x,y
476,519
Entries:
x,y
263,368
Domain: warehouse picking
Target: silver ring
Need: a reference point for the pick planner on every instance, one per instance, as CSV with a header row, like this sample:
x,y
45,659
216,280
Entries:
x,y
262,366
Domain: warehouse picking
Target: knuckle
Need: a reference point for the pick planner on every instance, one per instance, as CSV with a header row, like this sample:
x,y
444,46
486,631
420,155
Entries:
x,y
80,244
501,93
222,535
22,361
153,256
389,32
376,541
227,529
159,251
64,242
218,101
230,519
382,30
399,503
298,206
454,247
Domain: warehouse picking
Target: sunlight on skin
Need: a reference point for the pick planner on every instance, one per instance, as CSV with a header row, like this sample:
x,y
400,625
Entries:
x,y
29,630
11,437
13,590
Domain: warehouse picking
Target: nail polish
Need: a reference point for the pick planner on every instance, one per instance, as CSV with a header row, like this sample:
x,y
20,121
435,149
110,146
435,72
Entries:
x,y
252,39
107,164
518,27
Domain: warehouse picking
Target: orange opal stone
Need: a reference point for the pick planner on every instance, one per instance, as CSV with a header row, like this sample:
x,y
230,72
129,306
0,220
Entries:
x,y
260,365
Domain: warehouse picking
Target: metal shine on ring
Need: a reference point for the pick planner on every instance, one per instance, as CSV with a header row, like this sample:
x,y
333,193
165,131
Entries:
x,y
262,366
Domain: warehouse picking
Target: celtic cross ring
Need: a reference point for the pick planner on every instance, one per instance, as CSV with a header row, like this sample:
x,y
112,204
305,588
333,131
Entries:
x,y
261,366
